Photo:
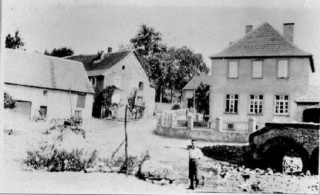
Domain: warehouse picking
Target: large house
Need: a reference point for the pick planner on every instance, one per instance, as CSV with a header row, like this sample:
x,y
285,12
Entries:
x,y
45,86
261,75
124,71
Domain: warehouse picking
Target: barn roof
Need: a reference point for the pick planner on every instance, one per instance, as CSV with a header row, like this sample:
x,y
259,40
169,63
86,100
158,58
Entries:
x,y
36,70
92,63
264,41
196,82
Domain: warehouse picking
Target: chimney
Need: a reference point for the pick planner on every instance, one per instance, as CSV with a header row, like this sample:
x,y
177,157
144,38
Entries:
x,y
109,49
248,28
101,55
288,29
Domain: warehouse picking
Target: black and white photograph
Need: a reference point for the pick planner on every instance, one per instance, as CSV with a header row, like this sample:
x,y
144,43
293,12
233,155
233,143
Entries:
x,y
160,96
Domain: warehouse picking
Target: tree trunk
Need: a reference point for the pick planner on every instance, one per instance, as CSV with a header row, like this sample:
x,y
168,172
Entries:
x,y
171,95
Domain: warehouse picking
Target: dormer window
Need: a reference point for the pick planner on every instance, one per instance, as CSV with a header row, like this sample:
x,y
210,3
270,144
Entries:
x,y
233,70
283,69
123,67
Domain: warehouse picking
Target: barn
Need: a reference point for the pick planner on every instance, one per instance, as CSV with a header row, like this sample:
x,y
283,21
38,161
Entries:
x,y
46,86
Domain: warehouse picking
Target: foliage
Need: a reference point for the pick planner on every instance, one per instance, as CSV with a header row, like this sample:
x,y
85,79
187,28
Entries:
x,y
175,107
104,98
202,98
168,68
132,98
9,103
61,52
14,42
62,150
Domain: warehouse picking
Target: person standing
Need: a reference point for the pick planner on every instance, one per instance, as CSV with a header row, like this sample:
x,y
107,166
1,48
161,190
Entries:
x,y
195,155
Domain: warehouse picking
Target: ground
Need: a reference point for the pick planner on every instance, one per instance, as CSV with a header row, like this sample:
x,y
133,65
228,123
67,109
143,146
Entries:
x,y
105,136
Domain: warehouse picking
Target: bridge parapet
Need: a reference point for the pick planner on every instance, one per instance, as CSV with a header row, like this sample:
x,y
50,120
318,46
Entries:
x,y
270,144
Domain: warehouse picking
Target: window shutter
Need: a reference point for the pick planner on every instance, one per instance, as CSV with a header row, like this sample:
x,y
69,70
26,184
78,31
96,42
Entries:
x,y
257,69
233,69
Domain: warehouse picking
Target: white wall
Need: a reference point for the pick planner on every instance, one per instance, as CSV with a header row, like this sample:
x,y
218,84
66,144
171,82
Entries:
x,y
57,102
130,78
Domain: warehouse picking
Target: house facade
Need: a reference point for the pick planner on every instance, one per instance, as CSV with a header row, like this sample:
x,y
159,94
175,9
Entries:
x,y
45,86
188,90
122,70
260,75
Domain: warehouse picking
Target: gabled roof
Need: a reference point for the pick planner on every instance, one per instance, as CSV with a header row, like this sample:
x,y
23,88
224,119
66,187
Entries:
x,y
36,70
264,41
313,95
93,63
196,82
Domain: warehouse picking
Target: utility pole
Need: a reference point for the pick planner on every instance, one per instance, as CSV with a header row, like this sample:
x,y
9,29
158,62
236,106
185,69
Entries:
x,y
126,140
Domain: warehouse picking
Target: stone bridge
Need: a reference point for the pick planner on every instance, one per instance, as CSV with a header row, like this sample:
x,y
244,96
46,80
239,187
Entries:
x,y
269,145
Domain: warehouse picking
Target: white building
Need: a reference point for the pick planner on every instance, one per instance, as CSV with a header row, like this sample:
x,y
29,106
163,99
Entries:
x,y
45,85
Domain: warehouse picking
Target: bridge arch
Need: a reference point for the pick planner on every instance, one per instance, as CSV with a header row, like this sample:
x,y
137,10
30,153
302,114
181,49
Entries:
x,y
273,151
314,161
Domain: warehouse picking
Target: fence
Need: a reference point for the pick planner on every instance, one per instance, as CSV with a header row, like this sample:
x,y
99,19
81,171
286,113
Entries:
x,y
170,119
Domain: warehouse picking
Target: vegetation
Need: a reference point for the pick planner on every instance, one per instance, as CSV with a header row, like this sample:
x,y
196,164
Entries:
x,y
202,98
55,153
61,52
168,68
14,42
8,102
175,107
104,99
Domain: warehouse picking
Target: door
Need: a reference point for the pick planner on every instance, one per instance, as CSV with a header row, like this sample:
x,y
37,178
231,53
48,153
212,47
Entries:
x,y
23,107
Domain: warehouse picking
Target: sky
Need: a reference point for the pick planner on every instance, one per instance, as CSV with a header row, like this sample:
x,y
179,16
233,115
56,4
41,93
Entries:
x,y
205,26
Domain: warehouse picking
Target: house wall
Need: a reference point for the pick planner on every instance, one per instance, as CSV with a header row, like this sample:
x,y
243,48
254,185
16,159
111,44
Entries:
x,y
268,86
129,79
57,101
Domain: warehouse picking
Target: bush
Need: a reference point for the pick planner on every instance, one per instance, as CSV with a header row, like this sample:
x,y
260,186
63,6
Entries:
x,y
9,103
62,149
175,107
134,163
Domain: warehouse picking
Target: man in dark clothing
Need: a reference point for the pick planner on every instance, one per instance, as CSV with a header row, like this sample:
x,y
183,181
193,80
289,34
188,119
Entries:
x,y
194,155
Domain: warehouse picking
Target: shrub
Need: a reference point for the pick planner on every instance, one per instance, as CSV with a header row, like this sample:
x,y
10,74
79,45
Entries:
x,y
134,163
175,107
63,149
9,103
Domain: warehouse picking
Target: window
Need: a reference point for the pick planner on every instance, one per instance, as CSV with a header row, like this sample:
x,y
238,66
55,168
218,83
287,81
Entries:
x,y
256,102
257,69
282,69
233,69
117,81
43,111
77,113
81,100
93,81
123,67
141,86
281,104
232,103
45,93
139,101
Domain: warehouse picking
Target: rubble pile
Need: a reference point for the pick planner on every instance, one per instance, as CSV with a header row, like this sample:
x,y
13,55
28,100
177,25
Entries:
x,y
228,177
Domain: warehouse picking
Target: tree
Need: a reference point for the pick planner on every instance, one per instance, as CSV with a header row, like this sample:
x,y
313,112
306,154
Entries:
x,y
61,52
14,42
8,101
188,65
202,98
